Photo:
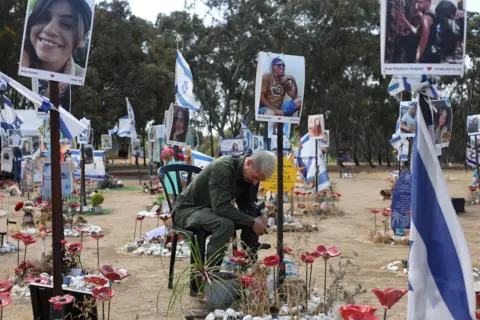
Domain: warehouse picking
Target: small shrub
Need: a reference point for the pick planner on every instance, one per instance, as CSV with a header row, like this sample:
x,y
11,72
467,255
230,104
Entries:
x,y
97,199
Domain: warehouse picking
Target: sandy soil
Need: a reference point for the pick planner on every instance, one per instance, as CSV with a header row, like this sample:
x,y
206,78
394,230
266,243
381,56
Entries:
x,y
136,296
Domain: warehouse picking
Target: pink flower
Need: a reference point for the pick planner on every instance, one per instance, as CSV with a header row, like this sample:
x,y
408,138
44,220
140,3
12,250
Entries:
x,y
103,293
59,301
389,297
327,253
5,299
96,280
6,286
113,274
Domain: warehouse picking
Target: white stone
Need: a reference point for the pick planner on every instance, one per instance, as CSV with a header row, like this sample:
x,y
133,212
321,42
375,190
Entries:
x,y
219,313
210,316
231,312
248,317
284,310
311,307
405,271
269,317
256,318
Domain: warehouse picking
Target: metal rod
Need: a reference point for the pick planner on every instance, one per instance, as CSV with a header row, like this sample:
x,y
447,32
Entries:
x,y
316,165
83,201
57,216
281,268
476,154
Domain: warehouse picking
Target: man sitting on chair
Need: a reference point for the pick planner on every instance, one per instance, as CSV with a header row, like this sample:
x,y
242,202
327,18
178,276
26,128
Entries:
x,y
207,202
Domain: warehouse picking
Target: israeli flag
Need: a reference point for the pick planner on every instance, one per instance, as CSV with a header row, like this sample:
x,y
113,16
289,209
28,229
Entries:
x,y
3,85
440,276
124,127
10,119
414,83
114,130
184,84
305,157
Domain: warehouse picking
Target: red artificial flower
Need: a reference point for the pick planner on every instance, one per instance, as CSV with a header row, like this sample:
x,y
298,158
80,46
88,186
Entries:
x,y
97,236
247,281
472,188
96,280
353,311
386,213
37,279
48,231
5,299
297,193
167,154
75,248
301,206
5,286
307,258
327,253
83,232
103,293
388,297
238,260
60,301
240,254
271,261
28,239
287,250
140,218
113,274
19,206
63,242
315,254
164,217
336,195
17,236
374,211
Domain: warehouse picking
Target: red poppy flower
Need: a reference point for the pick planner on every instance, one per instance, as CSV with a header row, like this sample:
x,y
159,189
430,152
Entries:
x,y
271,261
37,279
297,193
388,297
374,211
140,218
60,301
307,258
164,217
103,293
48,231
472,188
315,254
336,195
301,206
113,274
247,281
5,299
353,311
287,250
97,236
96,280
28,239
327,253
17,236
240,254
75,248
19,206
386,213
239,260
5,286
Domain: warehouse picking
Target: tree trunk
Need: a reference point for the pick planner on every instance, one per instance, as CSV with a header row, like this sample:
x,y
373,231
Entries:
x,y
387,151
144,152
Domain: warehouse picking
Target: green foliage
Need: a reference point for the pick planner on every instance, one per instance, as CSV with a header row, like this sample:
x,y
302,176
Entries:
x,y
97,199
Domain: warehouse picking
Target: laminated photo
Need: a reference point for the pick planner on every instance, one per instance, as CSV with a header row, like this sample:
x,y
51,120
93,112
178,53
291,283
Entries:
x,y
408,121
106,140
177,124
279,87
26,147
473,127
423,37
442,122
42,87
257,143
324,142
231,146
272,130
14,138
316,125
56,40
88,154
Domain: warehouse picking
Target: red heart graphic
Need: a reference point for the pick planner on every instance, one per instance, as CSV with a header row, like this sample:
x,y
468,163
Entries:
x,y
429,68
52,75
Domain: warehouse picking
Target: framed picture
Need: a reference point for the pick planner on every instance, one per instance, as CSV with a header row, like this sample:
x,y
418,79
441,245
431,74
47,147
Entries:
x,y
279,87
324,142
473,127
106,141
14,138
272,130
177,124
257,143
316,126
423,37
57,51
408,118
42,87
88,154
27,147
231,146
442,122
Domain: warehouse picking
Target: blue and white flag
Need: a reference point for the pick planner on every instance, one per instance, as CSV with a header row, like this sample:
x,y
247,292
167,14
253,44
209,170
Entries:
x,y
9,119
114,130
3,85
305,157
440,276
69,125
414,83
133,131
124,127
184,84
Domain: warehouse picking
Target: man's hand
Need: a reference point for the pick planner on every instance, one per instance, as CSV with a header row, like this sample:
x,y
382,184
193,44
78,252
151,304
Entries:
x,y
263,219
287,78
259,227
176,135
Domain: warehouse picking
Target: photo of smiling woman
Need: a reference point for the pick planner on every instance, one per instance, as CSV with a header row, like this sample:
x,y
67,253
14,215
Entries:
x,y
56,40
179,129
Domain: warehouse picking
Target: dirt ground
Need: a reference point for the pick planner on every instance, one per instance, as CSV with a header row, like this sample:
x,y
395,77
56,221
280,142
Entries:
x,y
136,296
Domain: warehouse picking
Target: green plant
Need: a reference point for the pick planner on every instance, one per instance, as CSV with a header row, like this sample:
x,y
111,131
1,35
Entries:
x,y
97,199
160,198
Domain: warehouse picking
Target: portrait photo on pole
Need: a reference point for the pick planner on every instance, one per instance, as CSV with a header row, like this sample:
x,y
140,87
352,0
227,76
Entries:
x,y
231,146
272,130
442,121
257,143
42,87
88,154
279,87
324,142
106,141
14,138
408,122
26,148
423,37
316,124
56,40
177,123
273,144
473,127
